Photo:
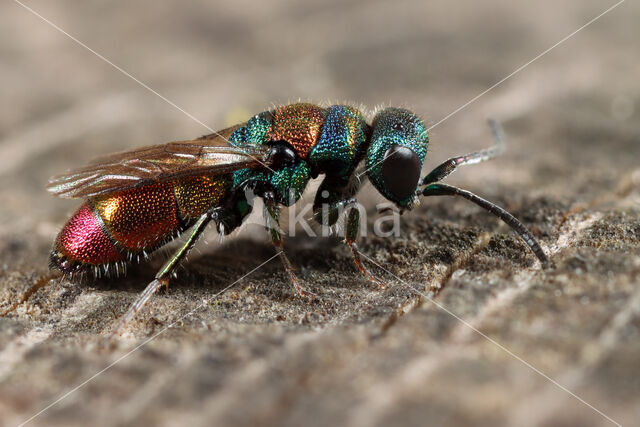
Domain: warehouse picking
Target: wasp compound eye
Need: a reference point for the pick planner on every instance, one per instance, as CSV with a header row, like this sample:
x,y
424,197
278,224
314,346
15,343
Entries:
x,y
401,171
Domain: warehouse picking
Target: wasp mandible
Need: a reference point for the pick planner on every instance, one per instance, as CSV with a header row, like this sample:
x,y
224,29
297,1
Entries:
x,y
139,200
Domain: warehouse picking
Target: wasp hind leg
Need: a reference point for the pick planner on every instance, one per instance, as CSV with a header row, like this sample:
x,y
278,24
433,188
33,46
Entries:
x,y
164,275
272,211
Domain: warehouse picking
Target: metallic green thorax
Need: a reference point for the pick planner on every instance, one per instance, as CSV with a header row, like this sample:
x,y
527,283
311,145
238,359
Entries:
x,y
341,144
334,150
330,141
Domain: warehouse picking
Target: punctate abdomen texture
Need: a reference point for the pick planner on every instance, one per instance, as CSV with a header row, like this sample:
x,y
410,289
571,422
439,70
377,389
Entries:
x,y
116,227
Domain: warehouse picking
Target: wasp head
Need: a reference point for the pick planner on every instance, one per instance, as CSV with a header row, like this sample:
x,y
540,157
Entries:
x,y
395,155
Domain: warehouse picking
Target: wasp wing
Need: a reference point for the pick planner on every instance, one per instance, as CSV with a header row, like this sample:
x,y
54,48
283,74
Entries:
x,y
211,154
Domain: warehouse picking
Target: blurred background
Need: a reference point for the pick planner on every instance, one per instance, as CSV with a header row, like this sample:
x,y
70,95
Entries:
x,y
571,173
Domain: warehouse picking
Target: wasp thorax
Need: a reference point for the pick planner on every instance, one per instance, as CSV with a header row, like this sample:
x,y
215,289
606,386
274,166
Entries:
x,y
396,153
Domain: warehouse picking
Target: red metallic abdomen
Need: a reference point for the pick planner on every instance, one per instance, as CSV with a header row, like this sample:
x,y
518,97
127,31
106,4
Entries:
x,y
120,226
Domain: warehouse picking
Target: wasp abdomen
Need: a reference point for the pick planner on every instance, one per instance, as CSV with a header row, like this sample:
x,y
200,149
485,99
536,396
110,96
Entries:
x,y
83,240
116,227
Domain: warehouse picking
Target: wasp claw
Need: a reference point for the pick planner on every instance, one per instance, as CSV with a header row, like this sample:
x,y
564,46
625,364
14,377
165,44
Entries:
x,y
302,292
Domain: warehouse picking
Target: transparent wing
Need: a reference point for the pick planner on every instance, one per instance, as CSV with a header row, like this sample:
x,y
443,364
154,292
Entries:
x,y
210,154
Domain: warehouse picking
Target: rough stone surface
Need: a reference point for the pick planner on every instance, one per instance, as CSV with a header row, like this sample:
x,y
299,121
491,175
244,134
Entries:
x,y
254,354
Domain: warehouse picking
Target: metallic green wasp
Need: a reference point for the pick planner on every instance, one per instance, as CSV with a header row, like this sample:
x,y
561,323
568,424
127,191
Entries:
x,y
137,201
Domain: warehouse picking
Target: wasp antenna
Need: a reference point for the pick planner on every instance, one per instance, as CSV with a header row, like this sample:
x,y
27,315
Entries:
x,y
498,132
449,190
40,283
447,167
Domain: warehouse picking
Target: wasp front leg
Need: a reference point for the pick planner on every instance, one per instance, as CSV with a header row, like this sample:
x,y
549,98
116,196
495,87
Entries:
x,y
272,213
328,215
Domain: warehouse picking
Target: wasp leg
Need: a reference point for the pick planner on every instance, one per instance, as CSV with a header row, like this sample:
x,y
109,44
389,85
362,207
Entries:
x,y
329,214
163,276
41,283
440,189
444,169
272,213
351,234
